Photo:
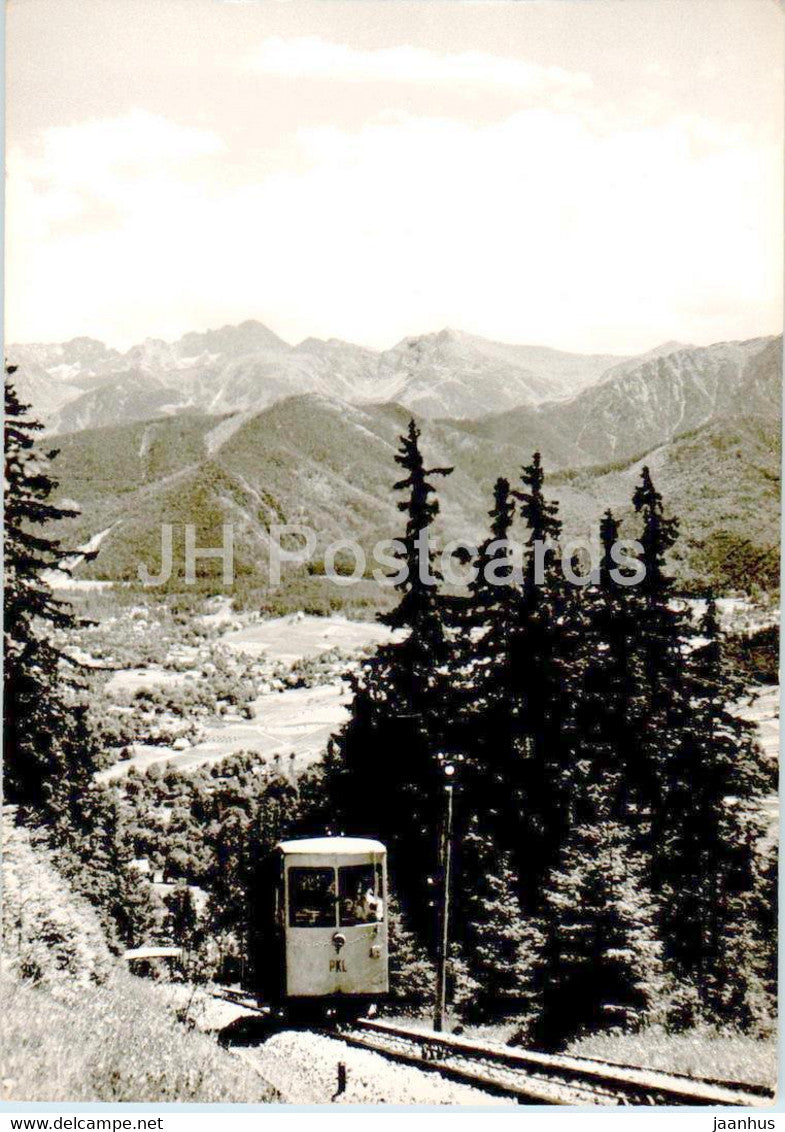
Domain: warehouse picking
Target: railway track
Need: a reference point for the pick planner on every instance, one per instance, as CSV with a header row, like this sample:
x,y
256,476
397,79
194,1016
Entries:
x,y
530,1077
539,1078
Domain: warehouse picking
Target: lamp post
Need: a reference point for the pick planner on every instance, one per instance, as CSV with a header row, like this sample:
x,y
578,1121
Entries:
x,y
444,899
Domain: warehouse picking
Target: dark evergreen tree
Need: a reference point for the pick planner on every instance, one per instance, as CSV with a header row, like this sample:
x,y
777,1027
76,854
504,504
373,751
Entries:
x,y
483,678
417,607
706,860
698,774
656,695
606,695
601,963
544,530
184,921
48,754
383,775
412,972
495,566
501,949
766,928
542,675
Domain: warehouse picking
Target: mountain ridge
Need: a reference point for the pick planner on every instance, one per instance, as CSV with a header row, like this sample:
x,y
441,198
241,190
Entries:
x,y
313,461
83,383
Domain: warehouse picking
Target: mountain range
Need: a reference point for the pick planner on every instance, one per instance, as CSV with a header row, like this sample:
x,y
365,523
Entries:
x,y
83,383
245,443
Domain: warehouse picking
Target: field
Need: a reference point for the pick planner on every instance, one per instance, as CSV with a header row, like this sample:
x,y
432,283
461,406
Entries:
x,y
310,654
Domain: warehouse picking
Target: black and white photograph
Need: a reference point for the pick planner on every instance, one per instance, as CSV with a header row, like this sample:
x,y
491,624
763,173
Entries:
x,y
393,411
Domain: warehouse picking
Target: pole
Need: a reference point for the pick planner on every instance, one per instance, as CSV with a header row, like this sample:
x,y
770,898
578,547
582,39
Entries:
x,y
444,913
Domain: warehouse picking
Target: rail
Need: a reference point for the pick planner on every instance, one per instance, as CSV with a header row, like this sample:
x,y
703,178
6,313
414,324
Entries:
x,y
531,1077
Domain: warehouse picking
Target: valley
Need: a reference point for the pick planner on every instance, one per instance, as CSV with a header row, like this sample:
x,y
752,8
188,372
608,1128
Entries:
x,y
276,688
290,725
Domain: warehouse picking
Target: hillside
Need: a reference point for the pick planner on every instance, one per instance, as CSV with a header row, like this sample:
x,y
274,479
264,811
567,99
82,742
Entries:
x,y
318,462
722,481
307,460
76,1026
638,406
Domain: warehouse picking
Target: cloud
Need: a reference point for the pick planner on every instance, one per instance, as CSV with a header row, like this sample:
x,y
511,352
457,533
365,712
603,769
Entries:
x,y
95,171
536,228
315,58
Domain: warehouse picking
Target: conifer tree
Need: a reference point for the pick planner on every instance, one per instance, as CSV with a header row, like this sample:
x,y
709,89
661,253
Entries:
x,y
601,964
698,773
657,700
541,680
484,681
47,747
183,917
606,695
383,775
494,565
417,607
412,973
500,948
766,926
544,528
706,857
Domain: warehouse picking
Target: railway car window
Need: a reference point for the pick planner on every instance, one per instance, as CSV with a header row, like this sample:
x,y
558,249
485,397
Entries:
x,y
360,895
312,898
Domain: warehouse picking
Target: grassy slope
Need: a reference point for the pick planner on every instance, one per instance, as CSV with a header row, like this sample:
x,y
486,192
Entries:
x,y
723,477
76,1025
115,1043
701,1053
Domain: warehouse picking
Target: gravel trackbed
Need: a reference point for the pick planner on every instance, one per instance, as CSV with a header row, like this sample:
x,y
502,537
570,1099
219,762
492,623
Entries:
x,y
303,1068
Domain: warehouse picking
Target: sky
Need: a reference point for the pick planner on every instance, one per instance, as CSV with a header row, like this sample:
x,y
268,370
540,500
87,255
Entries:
x,y
594,175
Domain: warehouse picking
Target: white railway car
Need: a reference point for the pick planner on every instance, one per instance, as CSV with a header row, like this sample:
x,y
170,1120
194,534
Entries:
x,y
324,937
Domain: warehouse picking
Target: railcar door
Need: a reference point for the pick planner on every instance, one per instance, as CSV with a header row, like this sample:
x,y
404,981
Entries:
x,y
362,924
311,924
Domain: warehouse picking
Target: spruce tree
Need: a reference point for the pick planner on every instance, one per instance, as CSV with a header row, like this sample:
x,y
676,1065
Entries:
x,y
541,682
601,964
484,682
47,747
500,947
417,607
697,770
606,696
766,926
711,833
494,565
412,973
383,775
656,694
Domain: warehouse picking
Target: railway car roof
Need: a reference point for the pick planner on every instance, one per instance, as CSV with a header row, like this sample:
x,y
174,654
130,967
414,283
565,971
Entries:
x,y
327,845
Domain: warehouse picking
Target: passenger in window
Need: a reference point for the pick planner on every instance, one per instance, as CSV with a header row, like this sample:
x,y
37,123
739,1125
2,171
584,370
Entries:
x,y
373,907
364,907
